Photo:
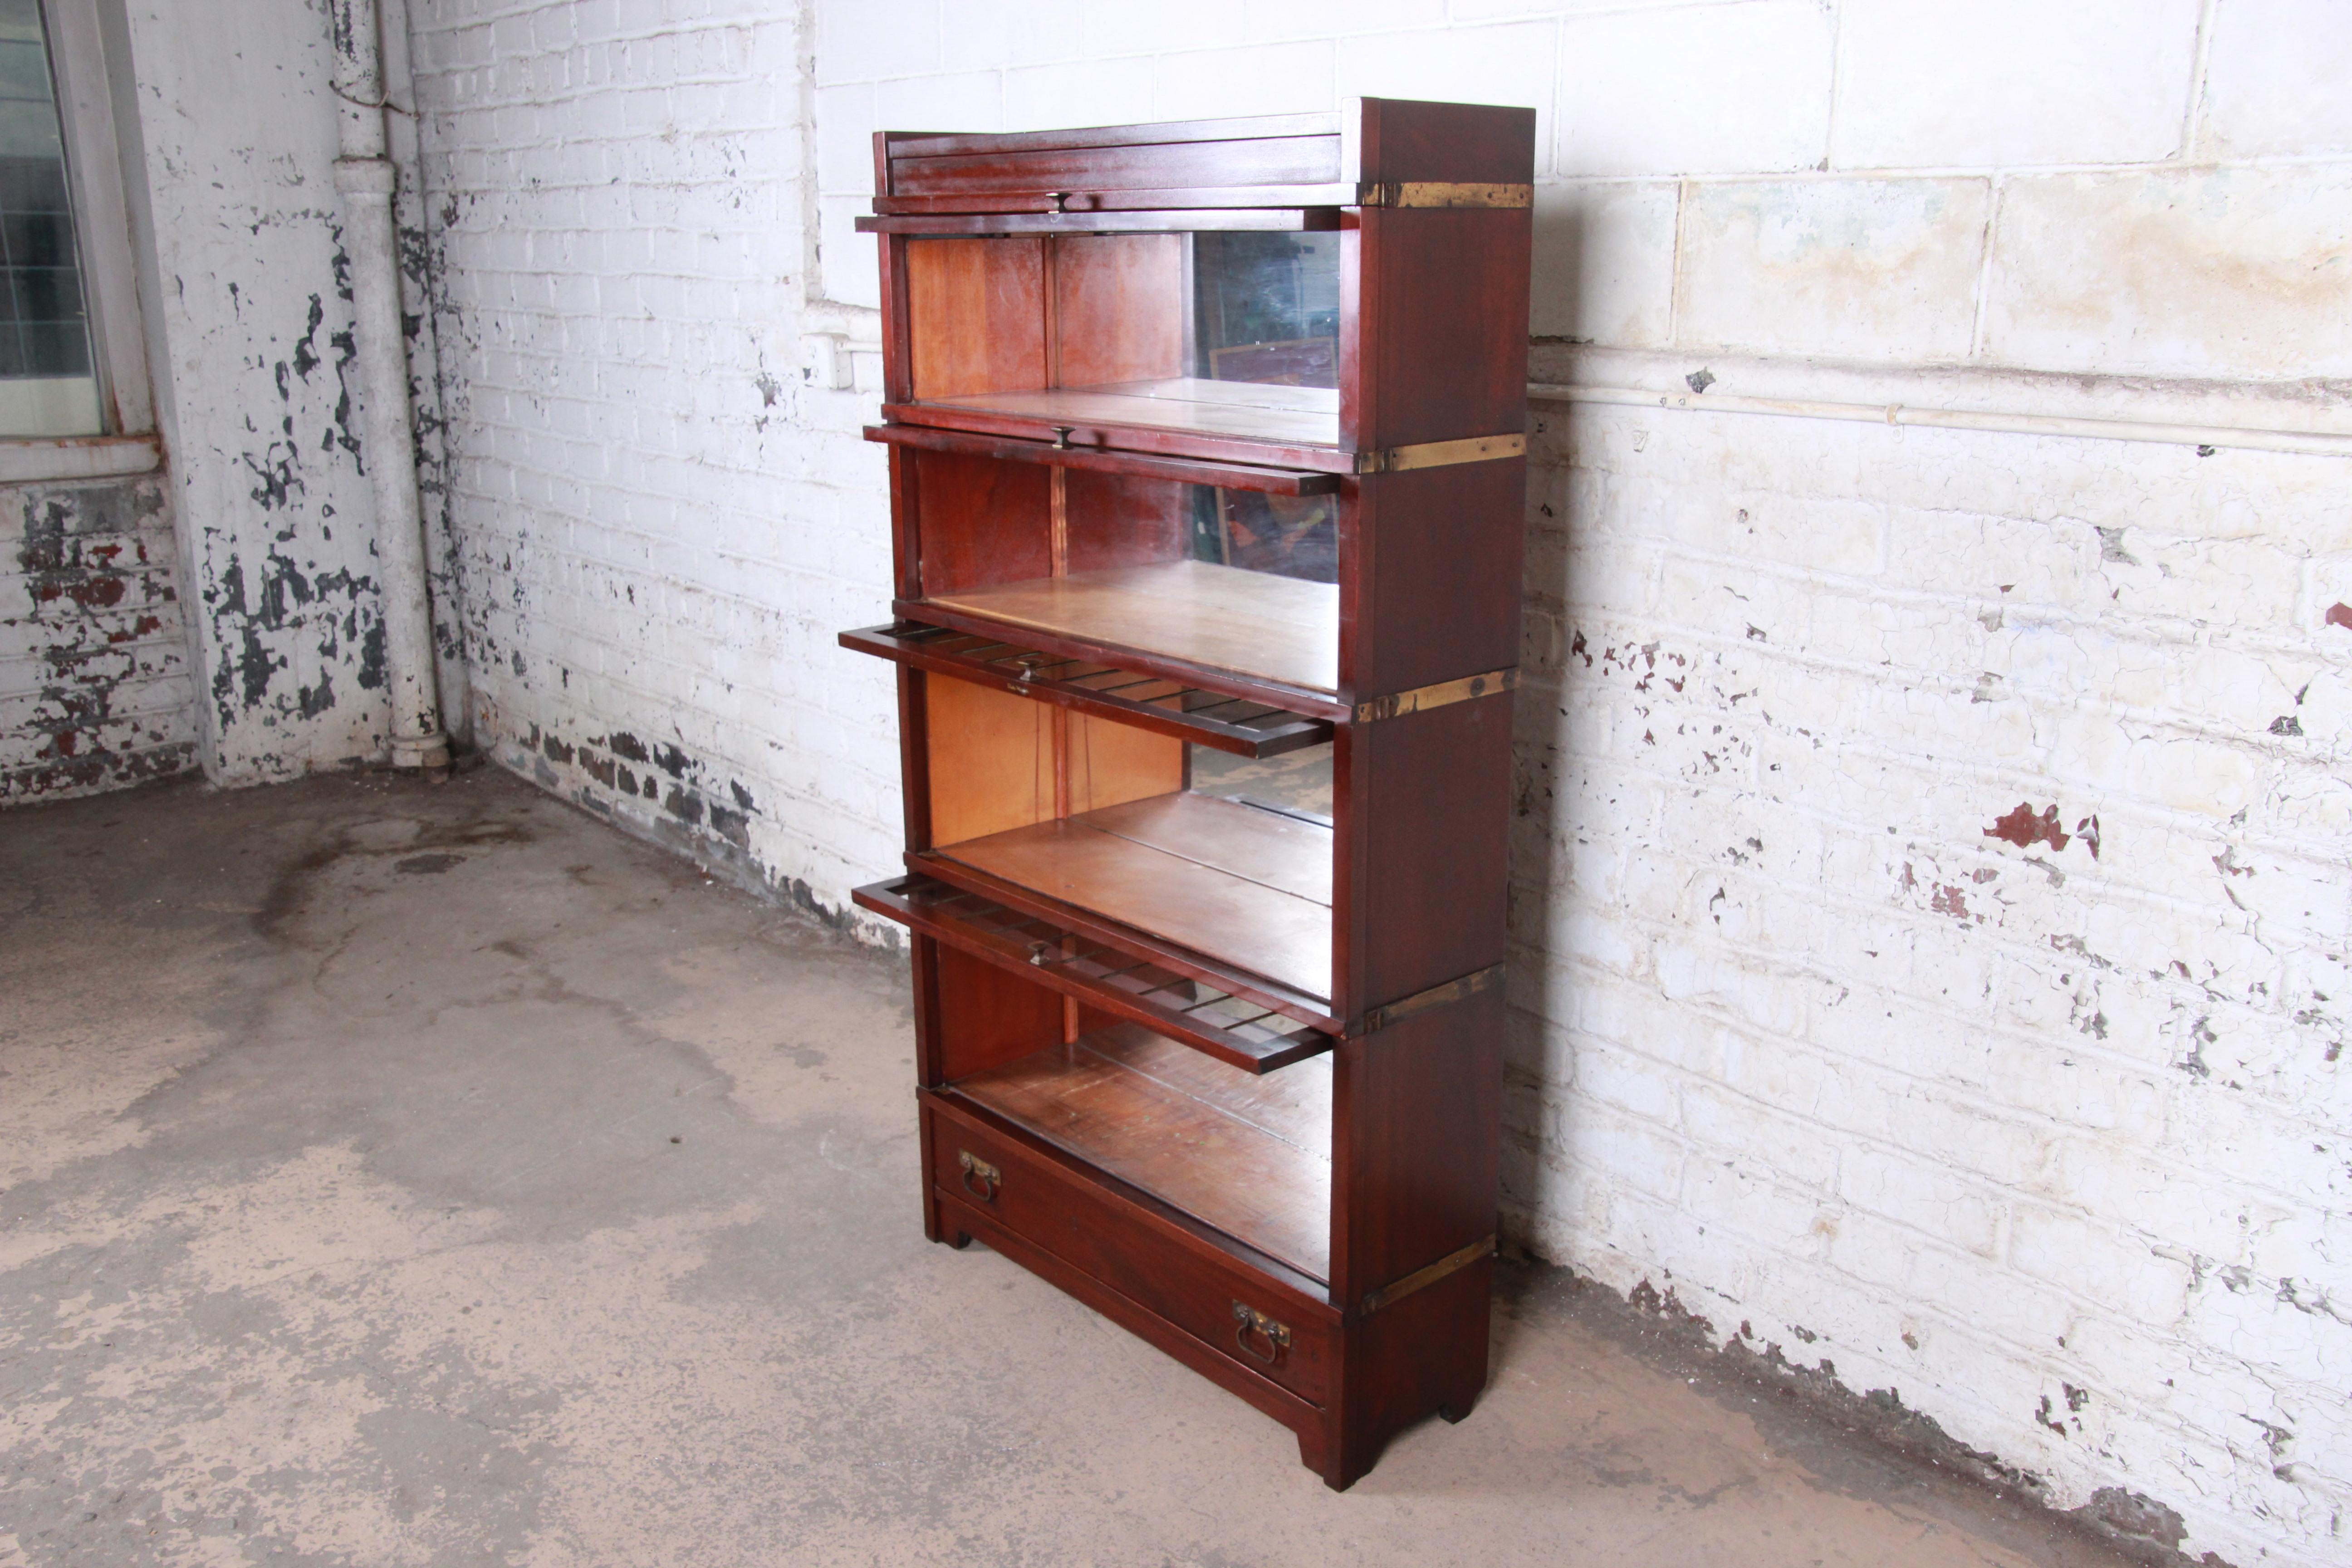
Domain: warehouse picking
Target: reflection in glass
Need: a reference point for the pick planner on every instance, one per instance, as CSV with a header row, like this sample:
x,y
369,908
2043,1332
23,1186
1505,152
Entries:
x,y
1266,308
1296,784
47,387
1290,536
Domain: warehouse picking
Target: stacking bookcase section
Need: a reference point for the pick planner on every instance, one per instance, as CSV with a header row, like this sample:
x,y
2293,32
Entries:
x,y
1206,449
1223,576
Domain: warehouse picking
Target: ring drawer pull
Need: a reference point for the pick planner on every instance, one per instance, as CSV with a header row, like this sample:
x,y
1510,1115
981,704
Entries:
x,y
980,1179
1250,1323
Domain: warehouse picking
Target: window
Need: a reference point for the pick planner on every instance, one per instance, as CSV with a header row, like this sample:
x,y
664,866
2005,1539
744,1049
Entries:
x,y
48,382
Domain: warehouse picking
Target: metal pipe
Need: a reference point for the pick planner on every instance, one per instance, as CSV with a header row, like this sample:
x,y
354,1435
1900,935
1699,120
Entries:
x,y
2317,443
408,220
365,176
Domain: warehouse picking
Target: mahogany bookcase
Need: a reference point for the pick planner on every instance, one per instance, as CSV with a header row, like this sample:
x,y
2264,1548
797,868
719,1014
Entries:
x,y
1207,466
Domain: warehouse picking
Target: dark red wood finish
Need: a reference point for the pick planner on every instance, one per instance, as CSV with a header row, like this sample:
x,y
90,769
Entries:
x,y
1431,347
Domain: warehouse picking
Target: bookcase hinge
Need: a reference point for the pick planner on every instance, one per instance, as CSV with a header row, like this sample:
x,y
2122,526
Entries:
x,y
1399,703
1440,454
1442,193
1378,1018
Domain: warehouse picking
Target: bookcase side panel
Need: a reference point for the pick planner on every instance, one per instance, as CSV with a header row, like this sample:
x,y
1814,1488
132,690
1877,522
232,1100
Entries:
x,y
1442,298
1437,556
1405,140
1416,1136
1423,832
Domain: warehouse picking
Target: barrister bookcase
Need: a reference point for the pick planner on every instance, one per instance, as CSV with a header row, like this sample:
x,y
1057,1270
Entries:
x,y
1207,453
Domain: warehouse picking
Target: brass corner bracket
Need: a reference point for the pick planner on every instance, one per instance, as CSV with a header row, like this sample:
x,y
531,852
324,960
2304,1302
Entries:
x,y
1440,454
1378,1018
1452,1262
1442,193
1398,703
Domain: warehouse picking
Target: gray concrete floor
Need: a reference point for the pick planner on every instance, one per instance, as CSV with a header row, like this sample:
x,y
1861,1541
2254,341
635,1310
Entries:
x,y
396,1174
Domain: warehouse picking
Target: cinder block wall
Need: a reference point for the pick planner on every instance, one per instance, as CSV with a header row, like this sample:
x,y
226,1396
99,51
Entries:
x,y
1931,894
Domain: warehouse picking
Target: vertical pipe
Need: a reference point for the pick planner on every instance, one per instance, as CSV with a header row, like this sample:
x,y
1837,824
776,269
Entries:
x,y
364,176
404,141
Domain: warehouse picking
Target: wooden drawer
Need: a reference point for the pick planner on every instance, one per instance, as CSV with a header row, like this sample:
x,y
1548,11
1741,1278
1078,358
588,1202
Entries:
x,y
1268,1330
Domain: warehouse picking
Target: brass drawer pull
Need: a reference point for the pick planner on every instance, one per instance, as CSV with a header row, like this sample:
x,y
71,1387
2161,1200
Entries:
x,y
980,1179
1249,1321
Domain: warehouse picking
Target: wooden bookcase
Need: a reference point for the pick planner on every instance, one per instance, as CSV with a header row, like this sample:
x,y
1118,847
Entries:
x,y
1207,464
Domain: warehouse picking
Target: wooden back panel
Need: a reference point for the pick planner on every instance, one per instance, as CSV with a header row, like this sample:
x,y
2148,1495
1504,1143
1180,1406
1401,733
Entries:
x,y
980,523
976,315
990,757
998,761
1119,308
1111,763
1120,520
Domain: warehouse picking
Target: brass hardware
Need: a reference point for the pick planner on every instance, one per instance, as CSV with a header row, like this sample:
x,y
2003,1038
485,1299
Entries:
x,y
1440,454
1249,1321
1444,193
1062,437
1377,1018
989,1177
1061,201
1399,703
1419,1278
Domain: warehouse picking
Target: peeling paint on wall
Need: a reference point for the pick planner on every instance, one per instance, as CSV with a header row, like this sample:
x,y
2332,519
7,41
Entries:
x,y
95,691
238,126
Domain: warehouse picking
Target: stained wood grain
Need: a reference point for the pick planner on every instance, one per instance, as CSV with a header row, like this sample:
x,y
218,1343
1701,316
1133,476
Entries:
x,y
1119,307
1208,892
1251,410
1282,852
1220,617
1250,1155
975,316
990,760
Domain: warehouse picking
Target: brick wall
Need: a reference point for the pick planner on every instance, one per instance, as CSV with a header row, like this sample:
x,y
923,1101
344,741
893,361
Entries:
x,y
1930,890
95,691
230,136
663,525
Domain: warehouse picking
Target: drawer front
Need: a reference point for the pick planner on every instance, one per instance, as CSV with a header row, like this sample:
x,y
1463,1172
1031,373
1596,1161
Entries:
x,y
1134,1252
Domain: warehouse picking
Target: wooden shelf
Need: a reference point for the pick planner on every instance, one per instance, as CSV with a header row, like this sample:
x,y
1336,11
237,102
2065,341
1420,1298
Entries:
x,y
1249,1156
1286,425
1255,624
1246,1034
1247,887
1213,719
1174,220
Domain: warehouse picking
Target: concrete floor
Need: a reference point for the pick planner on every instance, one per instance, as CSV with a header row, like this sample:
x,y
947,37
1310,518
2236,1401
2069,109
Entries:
x,y
399,1174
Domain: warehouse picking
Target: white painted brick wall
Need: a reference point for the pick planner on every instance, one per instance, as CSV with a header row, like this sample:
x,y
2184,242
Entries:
x,y
663,522
95,690
230,129
2051,1142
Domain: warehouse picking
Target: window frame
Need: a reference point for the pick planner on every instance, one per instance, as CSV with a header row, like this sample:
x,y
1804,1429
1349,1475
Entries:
x,y
101,213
